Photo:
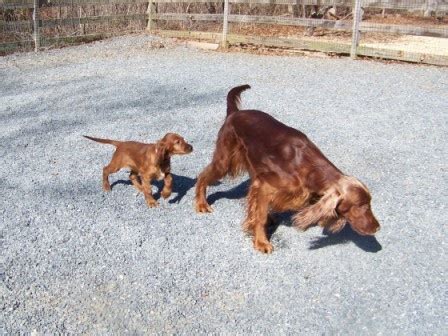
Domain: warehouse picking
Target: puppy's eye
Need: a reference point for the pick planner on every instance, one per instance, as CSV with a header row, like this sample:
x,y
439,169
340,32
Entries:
x,y
177,142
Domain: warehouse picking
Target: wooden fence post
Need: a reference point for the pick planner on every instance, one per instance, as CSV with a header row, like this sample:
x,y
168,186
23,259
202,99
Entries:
x,y
295,9
36,33
82,27
150,11
355,30
225,24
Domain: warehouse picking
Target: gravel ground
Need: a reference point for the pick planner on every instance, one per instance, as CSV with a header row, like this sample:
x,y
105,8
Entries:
x,y
78,260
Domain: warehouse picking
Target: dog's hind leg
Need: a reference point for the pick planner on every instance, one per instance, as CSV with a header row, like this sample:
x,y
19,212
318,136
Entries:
x,y
212,173
112,167
257,216
220,166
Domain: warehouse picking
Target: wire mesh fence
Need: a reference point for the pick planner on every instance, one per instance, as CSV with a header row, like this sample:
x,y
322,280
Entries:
x,y
409,30
406,30
25,24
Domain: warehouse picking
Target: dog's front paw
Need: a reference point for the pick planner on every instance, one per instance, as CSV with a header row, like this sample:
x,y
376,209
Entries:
x,y
106,187
263,247
165,194
248,227
203,208
152,203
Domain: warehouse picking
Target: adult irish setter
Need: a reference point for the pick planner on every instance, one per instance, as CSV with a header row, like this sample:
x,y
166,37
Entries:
x,y
287,171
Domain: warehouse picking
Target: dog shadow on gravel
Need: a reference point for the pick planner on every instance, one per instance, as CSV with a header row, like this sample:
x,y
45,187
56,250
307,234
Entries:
x,y
240,191
345,236
181,185
365,243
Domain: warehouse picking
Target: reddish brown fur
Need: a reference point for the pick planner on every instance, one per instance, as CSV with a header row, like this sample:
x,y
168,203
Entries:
x,y
146,161
288,172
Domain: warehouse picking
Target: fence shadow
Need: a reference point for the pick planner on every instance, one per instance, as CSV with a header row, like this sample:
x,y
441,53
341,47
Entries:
x,y
345,236
181,185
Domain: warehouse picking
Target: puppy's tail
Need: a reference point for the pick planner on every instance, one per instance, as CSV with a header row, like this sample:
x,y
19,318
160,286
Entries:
x,y
105,141
234,99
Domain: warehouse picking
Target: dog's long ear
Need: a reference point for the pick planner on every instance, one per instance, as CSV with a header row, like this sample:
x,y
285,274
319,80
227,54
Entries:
x,y
321,211
161,151
335,224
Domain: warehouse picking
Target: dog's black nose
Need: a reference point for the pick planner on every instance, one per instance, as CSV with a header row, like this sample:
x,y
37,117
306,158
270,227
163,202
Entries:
x,y
190,148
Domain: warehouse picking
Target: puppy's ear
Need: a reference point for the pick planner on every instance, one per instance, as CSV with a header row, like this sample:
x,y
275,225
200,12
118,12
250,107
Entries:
x,y
161,150
323,211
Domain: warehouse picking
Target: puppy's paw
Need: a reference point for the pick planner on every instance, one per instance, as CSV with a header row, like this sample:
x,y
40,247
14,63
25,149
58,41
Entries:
x,y
165,194
263,247
152,203
106,187
203,208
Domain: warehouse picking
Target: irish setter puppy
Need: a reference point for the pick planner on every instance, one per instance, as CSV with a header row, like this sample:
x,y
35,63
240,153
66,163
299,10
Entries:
x,y
287,171
146,162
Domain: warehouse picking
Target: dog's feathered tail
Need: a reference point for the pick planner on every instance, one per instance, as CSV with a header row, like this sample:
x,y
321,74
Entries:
x,y
105,141
234,99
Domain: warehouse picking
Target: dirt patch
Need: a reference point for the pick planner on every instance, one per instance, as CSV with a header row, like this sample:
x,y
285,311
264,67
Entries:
x,y
302,32
403,19
417,44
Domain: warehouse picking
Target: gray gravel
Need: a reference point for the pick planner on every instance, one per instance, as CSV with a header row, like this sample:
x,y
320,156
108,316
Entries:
x,y
77,260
